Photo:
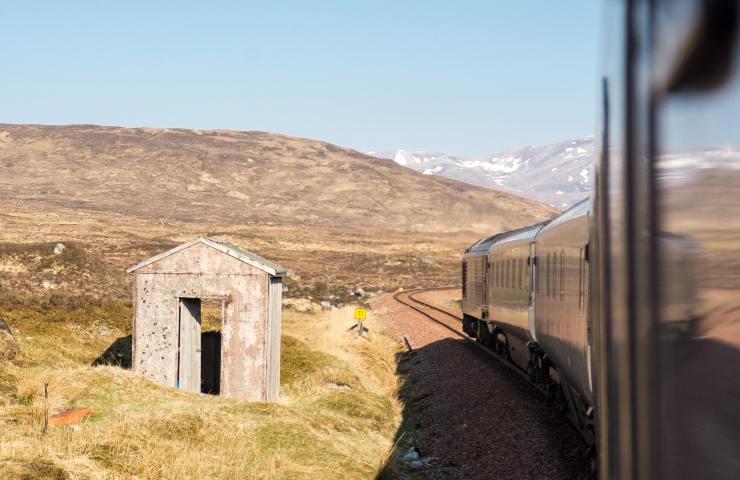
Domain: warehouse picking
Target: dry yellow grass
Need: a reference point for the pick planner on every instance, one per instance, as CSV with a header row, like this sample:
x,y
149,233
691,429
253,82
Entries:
x,y
336,417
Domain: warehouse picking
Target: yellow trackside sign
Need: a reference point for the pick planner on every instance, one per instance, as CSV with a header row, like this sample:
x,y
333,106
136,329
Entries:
x,y
360,314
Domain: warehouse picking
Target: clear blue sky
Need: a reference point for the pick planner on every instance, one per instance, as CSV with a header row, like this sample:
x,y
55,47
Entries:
x,y
467,77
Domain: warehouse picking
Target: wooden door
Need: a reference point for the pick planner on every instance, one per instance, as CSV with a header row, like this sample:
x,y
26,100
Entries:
x,y
188,362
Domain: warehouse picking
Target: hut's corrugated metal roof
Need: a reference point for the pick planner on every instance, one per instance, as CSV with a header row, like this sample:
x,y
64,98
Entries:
x,y
239,253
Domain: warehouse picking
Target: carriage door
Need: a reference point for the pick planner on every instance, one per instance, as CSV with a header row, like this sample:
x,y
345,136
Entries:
x,y
532,282
188,345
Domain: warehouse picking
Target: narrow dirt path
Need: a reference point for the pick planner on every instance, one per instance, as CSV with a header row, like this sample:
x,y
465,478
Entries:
x,y
469,415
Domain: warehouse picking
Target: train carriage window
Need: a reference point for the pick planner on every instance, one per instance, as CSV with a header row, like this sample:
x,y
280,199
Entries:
x,y
580,280
521,274
523,277
562,275
513,273
494,270
547,274
508,274
503,273
521,271
554,275
518,279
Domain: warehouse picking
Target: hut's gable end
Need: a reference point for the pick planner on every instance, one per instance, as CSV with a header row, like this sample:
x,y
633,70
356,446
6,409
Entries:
x,y
203,259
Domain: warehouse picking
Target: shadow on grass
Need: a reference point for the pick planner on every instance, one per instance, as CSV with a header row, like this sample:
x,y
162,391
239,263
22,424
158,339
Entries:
x,y
118,354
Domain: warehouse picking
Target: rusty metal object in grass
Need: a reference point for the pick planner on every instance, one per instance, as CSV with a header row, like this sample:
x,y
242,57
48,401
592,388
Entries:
x,y
70,416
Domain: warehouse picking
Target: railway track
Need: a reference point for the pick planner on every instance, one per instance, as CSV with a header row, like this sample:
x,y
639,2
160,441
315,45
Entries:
x,y
453,323
480,425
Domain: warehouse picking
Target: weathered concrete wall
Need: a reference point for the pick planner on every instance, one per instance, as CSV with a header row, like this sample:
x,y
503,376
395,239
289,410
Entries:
x,y
202,272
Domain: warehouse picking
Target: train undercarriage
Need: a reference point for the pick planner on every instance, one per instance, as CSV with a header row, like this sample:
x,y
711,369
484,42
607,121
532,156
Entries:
x,y
528,358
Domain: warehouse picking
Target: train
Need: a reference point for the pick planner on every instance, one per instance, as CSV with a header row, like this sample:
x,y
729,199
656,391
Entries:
x,y
626,307
525,295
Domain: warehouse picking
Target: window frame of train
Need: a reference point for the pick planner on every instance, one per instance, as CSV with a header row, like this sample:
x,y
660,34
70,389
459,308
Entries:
x,y
623,265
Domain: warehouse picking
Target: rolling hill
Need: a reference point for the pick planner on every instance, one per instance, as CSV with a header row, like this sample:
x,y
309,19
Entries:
x,y
214,176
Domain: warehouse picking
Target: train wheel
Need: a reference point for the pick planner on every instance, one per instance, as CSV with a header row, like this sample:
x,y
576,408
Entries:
x,y
500,348
485,335
471,324
501,345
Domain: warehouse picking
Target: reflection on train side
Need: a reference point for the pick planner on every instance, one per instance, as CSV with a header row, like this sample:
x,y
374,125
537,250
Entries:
x,y
697,172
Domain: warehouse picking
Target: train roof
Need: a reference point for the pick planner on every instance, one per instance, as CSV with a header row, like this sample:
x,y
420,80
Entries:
x,y
485,244
576,210
520,233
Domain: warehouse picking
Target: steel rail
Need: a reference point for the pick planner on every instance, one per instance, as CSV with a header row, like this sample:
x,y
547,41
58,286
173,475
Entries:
x,y
457,332
514,368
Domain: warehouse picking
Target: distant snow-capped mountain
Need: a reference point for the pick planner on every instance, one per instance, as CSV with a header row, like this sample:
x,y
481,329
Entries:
x,y
558,174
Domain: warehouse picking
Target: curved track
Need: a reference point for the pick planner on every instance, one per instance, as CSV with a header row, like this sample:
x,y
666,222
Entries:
x,y
461,408
442,317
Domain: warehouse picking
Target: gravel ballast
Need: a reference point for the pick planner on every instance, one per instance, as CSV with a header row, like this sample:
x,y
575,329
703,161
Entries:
x,y
466,414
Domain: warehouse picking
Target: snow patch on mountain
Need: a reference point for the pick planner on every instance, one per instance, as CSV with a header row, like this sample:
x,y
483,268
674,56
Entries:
x,y
552,174
559,174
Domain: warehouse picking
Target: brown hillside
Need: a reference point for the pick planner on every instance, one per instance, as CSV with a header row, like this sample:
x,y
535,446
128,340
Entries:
x,y
336,218
240,178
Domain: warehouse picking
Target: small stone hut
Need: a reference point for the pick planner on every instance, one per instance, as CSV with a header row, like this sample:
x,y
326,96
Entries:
x,y
243,360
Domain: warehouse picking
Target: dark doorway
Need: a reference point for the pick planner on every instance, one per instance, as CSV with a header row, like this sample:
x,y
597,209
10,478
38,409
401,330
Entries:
x,y
210,362
210,373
